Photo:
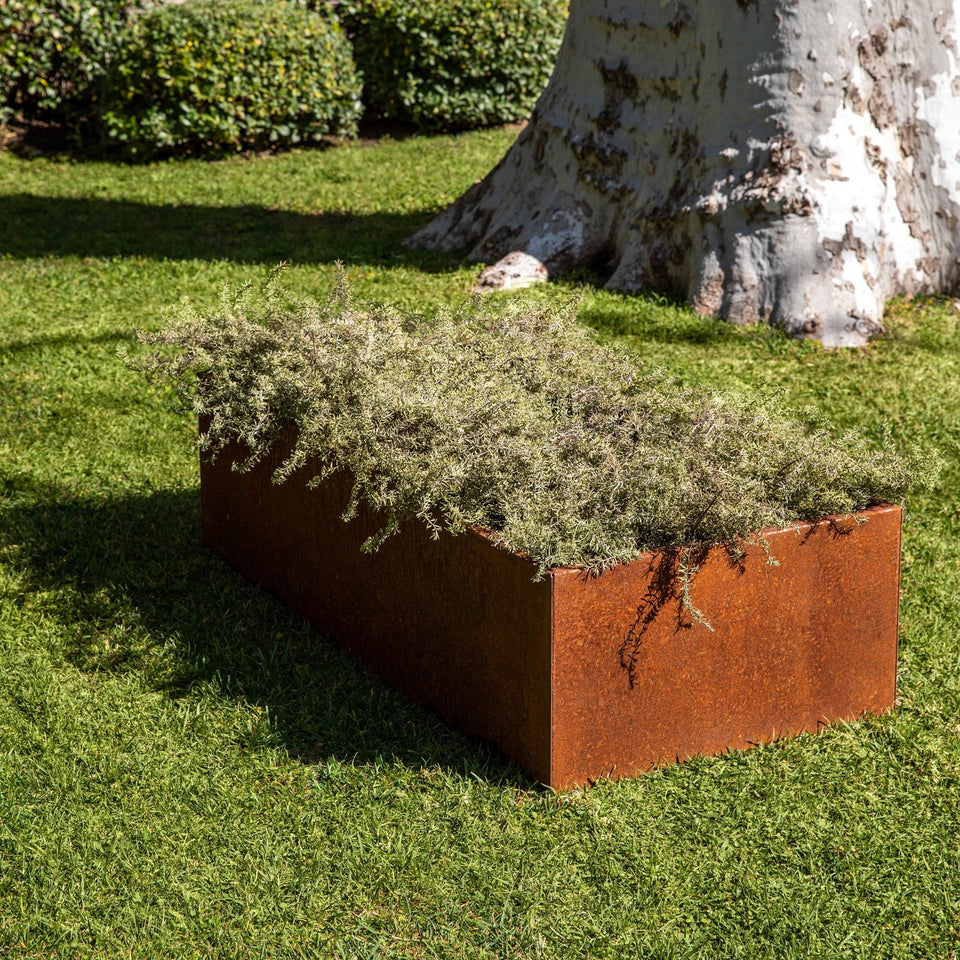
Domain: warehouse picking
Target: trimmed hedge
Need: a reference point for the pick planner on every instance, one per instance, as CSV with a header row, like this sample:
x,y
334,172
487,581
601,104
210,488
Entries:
x,y
54,53
213,76
454,65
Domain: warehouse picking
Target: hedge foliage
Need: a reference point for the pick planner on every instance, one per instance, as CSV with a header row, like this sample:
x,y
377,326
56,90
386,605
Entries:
x,y
219,74
454,65
228,74
54,53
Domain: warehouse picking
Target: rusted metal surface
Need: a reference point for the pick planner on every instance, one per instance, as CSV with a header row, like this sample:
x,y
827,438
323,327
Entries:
x,y
455,624
811,640
578,677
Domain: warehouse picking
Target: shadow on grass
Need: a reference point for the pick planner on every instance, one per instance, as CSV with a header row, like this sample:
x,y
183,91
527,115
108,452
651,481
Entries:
x,y
134,590
102,228
69,226
652,317
57,341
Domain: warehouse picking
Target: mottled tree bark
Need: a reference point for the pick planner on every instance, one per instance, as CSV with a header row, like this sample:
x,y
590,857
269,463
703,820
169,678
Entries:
x,y
794,161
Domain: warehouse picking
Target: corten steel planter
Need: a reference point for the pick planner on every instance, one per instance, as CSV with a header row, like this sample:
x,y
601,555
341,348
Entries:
x,y
574,676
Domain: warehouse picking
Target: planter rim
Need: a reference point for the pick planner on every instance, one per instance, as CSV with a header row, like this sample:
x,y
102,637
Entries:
x,y
842,522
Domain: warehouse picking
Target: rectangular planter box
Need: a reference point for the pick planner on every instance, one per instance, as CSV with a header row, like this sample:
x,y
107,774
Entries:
x,y
574,676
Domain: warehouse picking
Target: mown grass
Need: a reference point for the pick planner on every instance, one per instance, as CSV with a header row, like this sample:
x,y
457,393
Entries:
x,y
187,770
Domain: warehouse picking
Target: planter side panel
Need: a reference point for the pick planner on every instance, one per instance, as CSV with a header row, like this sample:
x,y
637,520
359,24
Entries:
x,y
811,640
453,623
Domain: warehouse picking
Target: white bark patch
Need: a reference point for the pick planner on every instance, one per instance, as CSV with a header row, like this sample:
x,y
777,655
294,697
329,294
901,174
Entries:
x,y
562,233
514,271
941,111
867,198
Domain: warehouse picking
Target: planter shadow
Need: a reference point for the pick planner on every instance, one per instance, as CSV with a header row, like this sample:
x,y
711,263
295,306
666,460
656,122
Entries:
x,y
579,677
188,620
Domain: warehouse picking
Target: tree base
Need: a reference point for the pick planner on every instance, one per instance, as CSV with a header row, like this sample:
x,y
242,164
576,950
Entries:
x,y
760,161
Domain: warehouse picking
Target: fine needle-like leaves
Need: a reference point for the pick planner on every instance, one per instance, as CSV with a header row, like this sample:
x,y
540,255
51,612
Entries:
x,y
511,418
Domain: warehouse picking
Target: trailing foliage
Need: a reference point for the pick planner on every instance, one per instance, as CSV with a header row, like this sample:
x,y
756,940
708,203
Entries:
x,y
229,74
456,64
510,418
53,54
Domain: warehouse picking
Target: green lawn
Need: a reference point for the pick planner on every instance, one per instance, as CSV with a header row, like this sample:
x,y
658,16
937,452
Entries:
x,y
186,770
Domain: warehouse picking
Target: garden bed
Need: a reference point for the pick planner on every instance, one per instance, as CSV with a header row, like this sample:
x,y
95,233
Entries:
x,y
590,563
578,676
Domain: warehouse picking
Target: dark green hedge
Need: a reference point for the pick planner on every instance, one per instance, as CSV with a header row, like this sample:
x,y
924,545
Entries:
x,y
53,54
456,64
213,75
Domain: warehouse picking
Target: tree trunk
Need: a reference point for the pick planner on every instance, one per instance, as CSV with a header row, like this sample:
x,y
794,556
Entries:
x,y
794,162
